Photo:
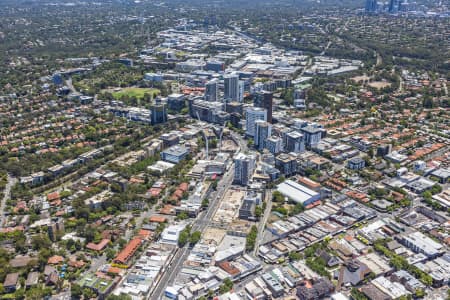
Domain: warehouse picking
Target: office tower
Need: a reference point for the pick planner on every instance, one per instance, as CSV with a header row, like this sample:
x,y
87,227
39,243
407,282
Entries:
x,y
233,88
234,107
394,6
273,144
176,102
212,91
264,99
244,166
286,163
252,115
371,6
263,131
158,112
241,87
293,142
205,110
312,135
235,120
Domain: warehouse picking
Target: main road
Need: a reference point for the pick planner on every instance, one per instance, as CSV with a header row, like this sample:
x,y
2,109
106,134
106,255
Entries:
x,y
263,221
199,224
6,195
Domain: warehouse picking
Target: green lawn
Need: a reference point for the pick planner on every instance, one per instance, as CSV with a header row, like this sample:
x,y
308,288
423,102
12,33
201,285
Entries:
x,y
136,92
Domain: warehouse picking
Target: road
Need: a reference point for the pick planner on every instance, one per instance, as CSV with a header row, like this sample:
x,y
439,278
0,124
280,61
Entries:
x,y
199,224
6,195
70,85
263,221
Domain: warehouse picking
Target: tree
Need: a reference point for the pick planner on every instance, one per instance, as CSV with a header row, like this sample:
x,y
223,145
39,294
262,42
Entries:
x,y
277,197
295,255
226,286
258,211
420,293
251,238
250,143
195,237
88,293
183,238
205,203
427,195
19,294
37,293
110,253
120,297
214,185
182,216
357,295
436,189
41,242
43,256
298,208
76,291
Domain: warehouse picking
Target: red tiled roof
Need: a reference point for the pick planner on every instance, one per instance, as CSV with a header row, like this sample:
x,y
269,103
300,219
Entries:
x,y
157,219
124,256
55,259
145,234
98,247
229,268
53,196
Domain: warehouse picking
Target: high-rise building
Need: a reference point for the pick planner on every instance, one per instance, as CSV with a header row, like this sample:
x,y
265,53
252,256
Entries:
x,y
233,88
234,107
263,131
264,99
312,135
394,6
371,6
293,142
158,112
212,91
273,144
205,110
176,102
252,115
241,88
286,163
244,166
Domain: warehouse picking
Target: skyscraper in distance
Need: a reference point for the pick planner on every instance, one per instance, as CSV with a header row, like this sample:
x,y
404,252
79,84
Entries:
x,y
244,166
233,88
264,99
253,114
212,90
394,6
263,131
371,6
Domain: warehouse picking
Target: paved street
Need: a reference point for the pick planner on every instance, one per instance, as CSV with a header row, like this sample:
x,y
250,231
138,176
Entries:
x,y
6,195
263,221
202,221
